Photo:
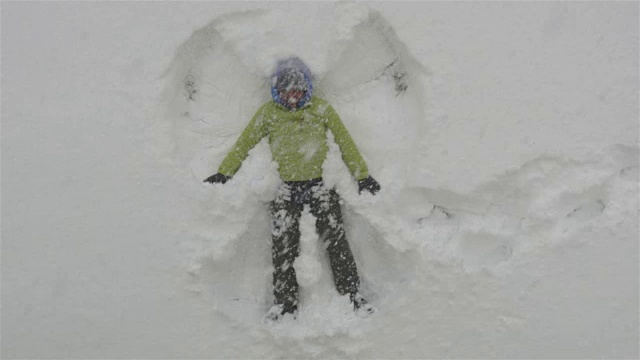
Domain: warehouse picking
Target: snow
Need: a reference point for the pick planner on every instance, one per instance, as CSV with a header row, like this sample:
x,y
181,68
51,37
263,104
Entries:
x,y
504,136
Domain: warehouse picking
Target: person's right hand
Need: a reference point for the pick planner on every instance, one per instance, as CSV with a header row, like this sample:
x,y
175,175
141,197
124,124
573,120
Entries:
x,y
217,179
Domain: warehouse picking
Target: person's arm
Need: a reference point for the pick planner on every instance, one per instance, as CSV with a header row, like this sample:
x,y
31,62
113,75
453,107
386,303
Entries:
x,y
350,154
250,137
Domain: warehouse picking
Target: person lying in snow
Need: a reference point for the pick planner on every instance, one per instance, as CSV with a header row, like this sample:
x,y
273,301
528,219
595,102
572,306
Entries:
x,y
296,123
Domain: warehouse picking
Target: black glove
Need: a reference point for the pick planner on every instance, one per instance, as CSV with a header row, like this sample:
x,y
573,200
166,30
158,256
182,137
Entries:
x,y
217,179
369,184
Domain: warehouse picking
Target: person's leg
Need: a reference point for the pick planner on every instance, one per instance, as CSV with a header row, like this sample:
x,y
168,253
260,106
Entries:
x,y
285,248
325,206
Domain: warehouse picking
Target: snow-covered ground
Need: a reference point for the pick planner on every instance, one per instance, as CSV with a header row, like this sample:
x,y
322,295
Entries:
x,y
504,135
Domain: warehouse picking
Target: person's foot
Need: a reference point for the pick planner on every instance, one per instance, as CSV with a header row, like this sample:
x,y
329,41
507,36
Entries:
x,y
361,307
278,312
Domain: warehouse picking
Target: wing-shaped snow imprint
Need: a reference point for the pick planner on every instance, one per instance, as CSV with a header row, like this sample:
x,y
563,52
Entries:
x,y
218,79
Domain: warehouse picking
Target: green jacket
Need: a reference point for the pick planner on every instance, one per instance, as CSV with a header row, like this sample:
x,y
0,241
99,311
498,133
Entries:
x,y
298,141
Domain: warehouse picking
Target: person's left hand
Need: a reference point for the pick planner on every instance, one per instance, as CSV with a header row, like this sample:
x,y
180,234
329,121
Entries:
x,y
370,184
217,179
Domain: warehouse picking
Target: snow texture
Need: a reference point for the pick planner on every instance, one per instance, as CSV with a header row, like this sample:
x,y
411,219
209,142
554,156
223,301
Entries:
x,y
504,136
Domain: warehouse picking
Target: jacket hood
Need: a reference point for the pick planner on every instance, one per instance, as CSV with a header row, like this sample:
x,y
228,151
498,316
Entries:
x,y
293,63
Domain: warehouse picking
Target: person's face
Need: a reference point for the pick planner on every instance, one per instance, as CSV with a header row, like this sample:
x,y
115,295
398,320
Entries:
x,y
292,97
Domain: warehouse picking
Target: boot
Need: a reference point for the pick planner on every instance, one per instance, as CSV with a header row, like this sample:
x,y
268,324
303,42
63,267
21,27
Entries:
x,y
278,312
361,307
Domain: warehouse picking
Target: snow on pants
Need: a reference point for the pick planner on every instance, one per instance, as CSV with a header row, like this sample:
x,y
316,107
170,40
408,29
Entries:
x,y
286,210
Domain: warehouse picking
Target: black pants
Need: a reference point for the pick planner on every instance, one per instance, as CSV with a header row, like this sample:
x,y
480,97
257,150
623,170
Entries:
x,y
286,210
